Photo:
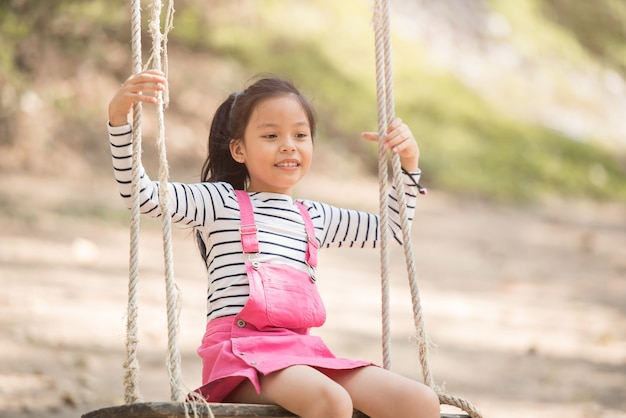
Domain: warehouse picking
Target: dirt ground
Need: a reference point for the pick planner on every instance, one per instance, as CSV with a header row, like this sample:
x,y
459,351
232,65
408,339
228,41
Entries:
x,y
526,307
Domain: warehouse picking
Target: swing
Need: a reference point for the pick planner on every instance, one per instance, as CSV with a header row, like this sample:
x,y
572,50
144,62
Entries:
x,y
193,406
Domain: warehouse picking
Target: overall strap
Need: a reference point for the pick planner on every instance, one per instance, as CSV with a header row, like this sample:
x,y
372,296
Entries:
x,y
248,228
312,244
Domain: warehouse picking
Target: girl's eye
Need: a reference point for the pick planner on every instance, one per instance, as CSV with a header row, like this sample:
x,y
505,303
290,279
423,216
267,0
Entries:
x,y
302,135
270,136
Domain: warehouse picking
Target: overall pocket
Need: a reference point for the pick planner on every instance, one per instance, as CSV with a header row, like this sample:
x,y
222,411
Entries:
x,y
289,296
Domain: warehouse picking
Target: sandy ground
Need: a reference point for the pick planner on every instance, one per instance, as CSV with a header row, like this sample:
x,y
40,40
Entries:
x,y
526,306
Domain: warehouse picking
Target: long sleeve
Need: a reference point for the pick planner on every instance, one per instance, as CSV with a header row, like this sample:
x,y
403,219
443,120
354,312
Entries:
x,y
339,227
196,204
190,204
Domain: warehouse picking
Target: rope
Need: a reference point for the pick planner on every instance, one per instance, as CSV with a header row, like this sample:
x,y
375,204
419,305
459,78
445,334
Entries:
x,y
383,180
131,377
171,290
158,59
194,403
385,105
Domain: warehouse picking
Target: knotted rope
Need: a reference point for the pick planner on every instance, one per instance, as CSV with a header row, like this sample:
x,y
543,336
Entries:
x,y
171,290
386,114
158,60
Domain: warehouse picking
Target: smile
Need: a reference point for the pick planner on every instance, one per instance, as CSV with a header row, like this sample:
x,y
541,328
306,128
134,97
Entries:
x,y
288,164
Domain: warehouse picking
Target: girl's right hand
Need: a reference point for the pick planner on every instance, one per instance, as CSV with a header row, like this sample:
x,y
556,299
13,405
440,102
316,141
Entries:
x,y
133,91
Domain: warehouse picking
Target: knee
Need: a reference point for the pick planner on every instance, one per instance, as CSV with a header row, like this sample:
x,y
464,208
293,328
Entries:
x,y
425,403
431,402
332,401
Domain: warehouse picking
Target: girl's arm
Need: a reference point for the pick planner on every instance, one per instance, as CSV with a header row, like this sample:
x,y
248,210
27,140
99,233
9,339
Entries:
x,y
191,204
338,227
343,227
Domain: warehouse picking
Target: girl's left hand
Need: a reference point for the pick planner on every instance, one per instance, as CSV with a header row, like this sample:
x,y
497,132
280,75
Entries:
x,y
399,140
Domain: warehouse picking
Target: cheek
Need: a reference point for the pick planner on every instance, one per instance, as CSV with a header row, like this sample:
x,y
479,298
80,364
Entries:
x,y
310,151
307,157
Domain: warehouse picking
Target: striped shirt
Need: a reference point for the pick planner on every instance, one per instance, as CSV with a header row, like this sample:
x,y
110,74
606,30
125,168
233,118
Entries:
x,y
212,210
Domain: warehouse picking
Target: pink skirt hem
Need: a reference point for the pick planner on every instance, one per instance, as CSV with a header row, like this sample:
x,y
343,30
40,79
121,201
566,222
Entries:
x,y
231,354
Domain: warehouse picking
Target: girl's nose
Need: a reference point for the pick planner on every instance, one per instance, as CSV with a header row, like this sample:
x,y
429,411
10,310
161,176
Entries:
x,y
288,145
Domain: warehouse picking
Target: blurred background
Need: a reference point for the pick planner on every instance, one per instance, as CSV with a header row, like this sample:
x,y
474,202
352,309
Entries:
x,y
519,108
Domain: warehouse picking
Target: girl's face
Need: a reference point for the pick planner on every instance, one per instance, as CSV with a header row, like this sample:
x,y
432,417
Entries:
x,y
277,147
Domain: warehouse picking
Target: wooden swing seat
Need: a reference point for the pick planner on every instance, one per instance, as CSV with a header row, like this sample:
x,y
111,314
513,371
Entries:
x,y
220,410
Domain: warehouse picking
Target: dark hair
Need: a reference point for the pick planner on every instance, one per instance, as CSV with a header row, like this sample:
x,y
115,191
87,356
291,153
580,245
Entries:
x,y
230,121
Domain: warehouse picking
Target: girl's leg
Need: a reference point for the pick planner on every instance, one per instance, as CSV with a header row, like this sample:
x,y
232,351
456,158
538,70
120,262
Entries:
x,y
380,393
302,390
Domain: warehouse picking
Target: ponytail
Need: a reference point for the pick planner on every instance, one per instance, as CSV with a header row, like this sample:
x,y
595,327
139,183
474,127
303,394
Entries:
x,y
220,165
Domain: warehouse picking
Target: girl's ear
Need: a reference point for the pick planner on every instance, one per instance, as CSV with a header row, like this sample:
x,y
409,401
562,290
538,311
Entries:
x,y
236,150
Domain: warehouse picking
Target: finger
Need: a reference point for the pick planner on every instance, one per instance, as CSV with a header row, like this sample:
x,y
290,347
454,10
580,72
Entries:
x,y
138,97
141,96
401,141
399,147
145,84
137,92
395,123
145,80
370,136
397,135
149,86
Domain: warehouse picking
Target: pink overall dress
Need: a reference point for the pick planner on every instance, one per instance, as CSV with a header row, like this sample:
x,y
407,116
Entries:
x,y
271,332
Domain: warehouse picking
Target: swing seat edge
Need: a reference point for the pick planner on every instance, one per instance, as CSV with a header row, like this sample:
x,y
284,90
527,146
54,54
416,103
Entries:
x,y
219,410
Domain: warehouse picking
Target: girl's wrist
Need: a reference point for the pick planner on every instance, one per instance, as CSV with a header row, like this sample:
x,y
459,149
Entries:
x,y
118,120
410,165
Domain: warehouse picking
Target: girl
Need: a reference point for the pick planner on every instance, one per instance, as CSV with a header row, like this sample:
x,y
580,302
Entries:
x,y
260,246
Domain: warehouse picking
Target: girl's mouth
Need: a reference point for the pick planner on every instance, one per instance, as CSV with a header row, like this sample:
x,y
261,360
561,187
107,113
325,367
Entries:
x,y
288,164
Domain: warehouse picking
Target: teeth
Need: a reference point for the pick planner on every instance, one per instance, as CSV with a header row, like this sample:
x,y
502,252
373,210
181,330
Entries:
x,y
287,164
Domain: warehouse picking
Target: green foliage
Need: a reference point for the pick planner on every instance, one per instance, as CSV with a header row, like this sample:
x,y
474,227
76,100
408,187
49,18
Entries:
x,y
597,25
468,146
474,149
25,26
581,31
